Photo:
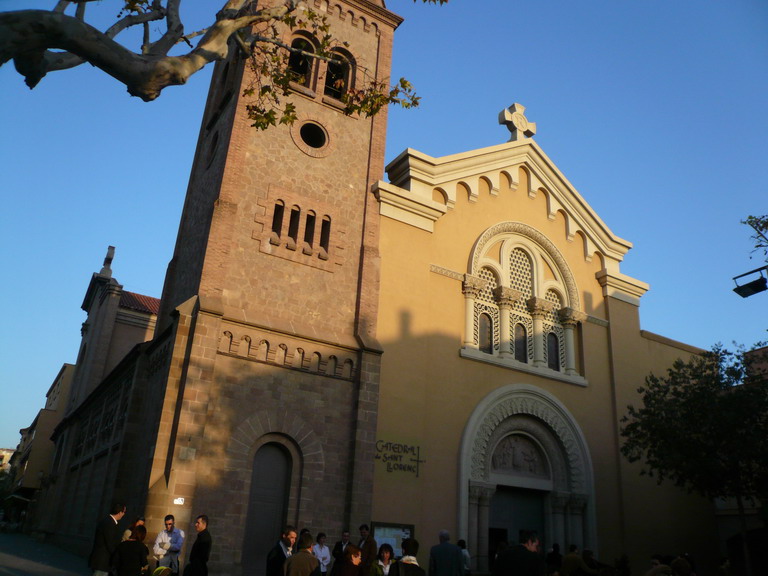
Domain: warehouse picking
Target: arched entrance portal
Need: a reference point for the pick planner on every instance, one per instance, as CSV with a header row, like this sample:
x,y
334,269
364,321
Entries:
x,y
524,465
267,505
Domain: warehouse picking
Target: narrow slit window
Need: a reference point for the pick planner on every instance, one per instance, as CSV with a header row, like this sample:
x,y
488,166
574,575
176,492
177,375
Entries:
x,y
309,233
325,237
553,352
293,227
521,343
277,223
485,336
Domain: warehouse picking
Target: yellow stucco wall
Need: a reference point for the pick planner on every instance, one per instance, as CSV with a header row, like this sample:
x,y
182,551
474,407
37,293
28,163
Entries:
x,y
429,392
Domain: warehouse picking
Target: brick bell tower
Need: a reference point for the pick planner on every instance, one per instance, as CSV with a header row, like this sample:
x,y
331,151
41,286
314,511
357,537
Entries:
x,y
267,328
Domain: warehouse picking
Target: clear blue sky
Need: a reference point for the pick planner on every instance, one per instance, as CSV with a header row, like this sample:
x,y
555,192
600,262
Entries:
x,y
654,110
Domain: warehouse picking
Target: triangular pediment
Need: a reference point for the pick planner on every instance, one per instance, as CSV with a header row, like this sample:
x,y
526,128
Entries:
x,y
416,179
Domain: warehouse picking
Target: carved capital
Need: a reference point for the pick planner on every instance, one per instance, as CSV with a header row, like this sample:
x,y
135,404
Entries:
x,y
539,308
506,297
472,286
475,492
571,316
486,494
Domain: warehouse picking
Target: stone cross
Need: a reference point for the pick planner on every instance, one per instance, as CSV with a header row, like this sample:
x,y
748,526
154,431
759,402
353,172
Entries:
x,y
516,122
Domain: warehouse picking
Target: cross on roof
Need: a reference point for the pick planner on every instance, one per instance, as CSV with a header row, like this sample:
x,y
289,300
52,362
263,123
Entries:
x,y
518,125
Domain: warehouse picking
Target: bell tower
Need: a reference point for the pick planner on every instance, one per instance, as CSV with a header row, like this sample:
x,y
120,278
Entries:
x,y
268,314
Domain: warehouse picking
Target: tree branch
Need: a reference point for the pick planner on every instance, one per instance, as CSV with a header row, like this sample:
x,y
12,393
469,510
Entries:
x,y
26,36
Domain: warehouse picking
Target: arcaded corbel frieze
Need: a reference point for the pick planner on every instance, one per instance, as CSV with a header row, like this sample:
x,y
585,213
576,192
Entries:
x,y
571,316
506,297
406,207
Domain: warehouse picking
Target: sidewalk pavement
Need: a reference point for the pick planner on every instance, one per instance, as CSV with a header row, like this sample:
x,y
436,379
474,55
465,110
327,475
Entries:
x,y
21,555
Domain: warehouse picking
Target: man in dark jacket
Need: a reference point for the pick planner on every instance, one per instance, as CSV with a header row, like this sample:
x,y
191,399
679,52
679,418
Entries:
x,y
523,559
446,559
281,551
201,549
105,541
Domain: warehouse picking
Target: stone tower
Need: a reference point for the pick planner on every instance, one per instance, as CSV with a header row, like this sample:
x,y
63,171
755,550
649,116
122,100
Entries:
x,y
266,342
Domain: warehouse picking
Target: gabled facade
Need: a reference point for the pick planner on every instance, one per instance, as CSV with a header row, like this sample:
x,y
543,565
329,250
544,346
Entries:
x,y
512,346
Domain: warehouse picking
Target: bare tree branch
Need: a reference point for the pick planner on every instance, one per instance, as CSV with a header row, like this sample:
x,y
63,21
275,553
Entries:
x,y
26,36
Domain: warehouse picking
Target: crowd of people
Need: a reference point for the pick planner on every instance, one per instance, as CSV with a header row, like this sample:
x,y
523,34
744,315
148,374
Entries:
x,y
301,555
126,554
526,559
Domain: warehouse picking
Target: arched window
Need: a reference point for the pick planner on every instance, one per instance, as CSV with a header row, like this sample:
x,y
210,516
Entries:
x,y
555,333
337,75
521,343
520,287
485,334
300,62
553,352
487,314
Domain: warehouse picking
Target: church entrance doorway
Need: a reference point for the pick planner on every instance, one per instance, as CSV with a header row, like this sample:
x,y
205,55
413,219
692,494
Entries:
x,y
524,464
513,510
267,506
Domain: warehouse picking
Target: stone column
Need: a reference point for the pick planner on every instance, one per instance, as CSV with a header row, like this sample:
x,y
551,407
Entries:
x,y
483,565
559,503
570,318
473,534
538,309
576,506
505,298
471,288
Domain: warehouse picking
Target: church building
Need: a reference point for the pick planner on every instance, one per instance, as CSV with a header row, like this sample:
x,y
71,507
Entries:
x,y
449,347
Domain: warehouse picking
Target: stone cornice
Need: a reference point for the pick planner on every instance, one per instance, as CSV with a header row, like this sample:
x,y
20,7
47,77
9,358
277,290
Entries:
x,y
621,287
398,204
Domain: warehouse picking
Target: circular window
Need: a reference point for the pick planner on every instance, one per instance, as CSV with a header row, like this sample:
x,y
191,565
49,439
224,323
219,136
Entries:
x,y
313,135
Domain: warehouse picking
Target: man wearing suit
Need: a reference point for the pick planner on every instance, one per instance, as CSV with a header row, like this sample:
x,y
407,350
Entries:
x,y
105,541
282,550
338,551
445,559
368,548
201,549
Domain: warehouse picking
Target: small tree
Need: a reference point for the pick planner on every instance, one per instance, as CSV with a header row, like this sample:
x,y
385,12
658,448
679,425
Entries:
x,y
44,41
704,426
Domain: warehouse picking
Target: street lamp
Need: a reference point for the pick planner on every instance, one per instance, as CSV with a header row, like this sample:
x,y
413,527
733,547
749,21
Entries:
x,y
752,287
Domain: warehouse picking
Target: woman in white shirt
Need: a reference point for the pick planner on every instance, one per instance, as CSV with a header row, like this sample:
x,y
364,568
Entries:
x,y
322,552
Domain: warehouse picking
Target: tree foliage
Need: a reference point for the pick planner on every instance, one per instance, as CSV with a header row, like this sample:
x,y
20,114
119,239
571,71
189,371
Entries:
x,y
704,426
760,225
44,41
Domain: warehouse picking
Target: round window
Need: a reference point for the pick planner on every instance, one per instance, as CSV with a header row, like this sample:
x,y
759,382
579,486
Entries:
x,y
313,135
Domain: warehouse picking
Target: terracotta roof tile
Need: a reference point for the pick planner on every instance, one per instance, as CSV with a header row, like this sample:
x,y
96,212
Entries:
x,y
139,302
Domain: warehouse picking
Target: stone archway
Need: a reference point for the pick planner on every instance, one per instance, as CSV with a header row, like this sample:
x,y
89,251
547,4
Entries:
x,y
523,437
